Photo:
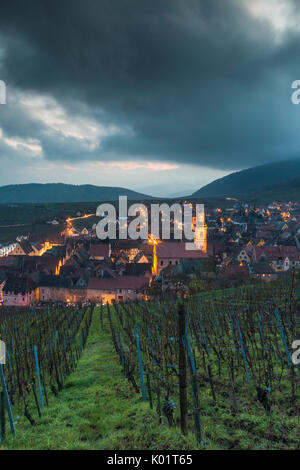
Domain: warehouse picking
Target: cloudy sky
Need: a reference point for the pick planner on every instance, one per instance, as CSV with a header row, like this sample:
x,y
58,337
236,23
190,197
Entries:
x,y
161,96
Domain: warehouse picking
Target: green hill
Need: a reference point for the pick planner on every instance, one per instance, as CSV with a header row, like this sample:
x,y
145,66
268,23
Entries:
x,y
274,180
59,192
286,191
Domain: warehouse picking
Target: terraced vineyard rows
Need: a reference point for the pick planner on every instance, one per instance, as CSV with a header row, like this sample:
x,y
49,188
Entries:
x,y
43,347
226,352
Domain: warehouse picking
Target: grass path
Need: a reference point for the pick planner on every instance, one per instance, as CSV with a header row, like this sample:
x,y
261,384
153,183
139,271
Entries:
x,y
97,409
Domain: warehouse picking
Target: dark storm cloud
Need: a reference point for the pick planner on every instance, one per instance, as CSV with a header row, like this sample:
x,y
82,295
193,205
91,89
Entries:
x,y
194,81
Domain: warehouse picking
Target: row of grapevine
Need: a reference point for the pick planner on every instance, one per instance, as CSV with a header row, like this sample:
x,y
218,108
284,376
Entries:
x,y
43,347
217,347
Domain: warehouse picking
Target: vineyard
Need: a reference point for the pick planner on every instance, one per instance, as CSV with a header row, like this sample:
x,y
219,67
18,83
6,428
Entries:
x,y
42,349
209,371
216,354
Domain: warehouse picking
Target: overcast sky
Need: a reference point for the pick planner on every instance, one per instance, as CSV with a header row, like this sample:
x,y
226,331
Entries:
x,y
161,96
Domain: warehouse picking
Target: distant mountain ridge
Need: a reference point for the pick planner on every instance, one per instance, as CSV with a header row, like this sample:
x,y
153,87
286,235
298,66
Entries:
x,y
270,179
60,192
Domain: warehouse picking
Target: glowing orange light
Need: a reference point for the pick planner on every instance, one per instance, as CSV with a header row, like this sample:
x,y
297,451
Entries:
x,y
154,242
58,267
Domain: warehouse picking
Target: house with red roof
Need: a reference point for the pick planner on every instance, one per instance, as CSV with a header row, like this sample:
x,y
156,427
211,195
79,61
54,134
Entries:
x,y
100,251
170,253
119,289
61,289
235,270
19,292
263,271
283,258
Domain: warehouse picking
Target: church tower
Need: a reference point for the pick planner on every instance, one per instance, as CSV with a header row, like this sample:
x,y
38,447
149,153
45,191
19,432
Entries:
x,y
200,238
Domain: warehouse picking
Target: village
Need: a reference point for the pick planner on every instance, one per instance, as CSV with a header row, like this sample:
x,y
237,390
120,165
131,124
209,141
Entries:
x,y
242,243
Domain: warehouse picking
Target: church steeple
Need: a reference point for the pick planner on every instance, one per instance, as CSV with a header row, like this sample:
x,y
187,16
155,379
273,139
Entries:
x,y
200,239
